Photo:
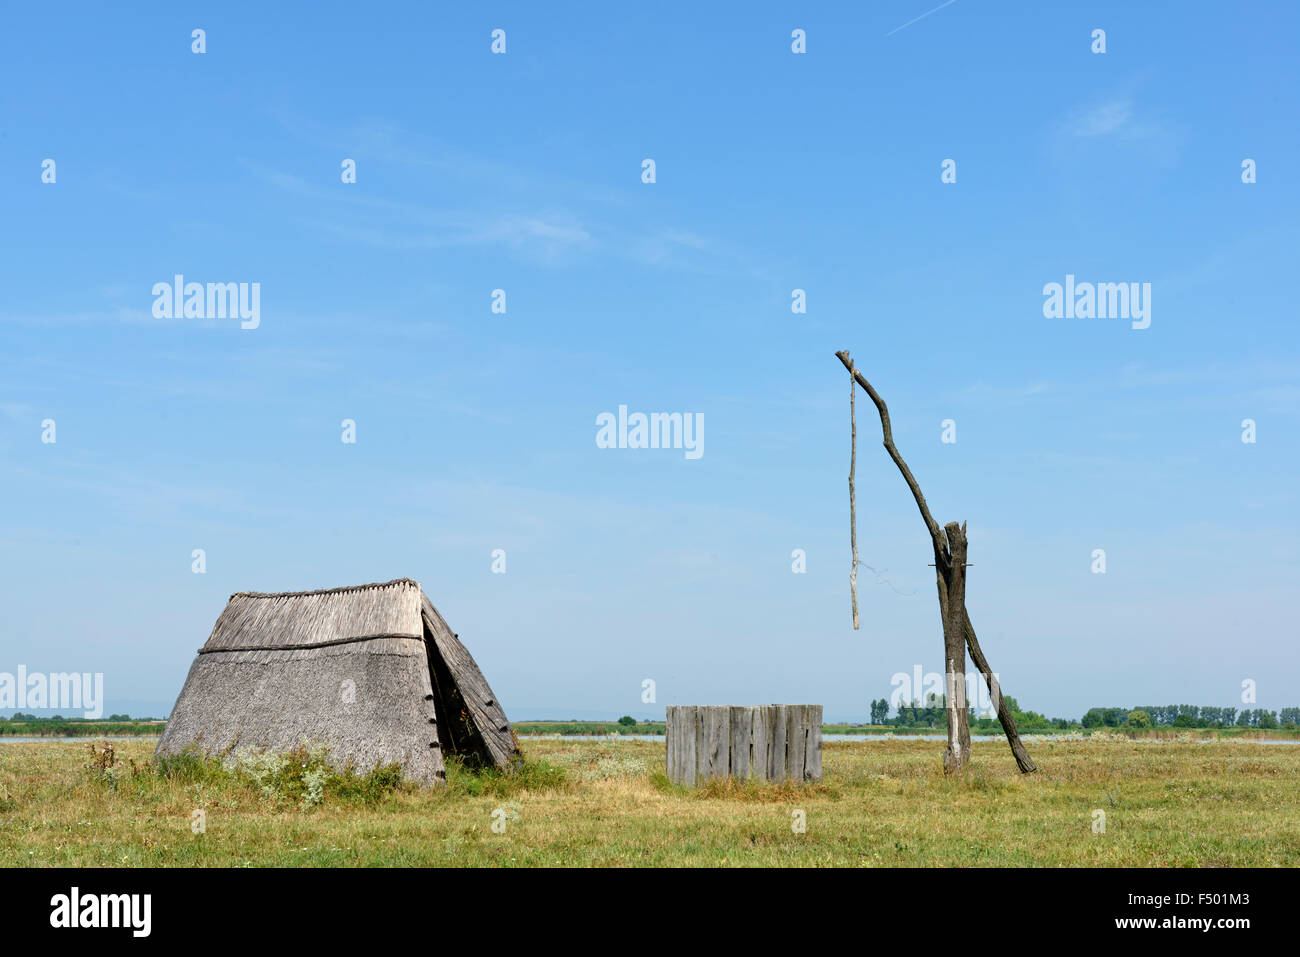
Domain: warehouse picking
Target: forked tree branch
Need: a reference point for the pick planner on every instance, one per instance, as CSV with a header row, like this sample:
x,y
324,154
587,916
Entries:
x,y
1023,759
936,534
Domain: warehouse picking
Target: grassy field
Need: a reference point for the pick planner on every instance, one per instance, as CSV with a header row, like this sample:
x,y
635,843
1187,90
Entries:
x,y
79,729
524,728
882,803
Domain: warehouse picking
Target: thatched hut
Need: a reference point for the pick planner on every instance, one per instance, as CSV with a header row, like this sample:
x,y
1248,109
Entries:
x,y
371,671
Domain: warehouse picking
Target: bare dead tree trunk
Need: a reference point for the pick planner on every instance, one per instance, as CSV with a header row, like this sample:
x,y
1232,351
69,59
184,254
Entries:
x,y
853,507
952,608
950,548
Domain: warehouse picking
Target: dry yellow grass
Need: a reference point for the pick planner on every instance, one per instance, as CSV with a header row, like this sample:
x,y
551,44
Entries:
x,y
882,803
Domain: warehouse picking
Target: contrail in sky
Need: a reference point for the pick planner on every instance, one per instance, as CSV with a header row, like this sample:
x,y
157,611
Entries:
x,y
947,3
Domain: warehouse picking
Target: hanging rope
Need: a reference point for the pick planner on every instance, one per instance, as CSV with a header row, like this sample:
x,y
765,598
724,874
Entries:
x,y
853,510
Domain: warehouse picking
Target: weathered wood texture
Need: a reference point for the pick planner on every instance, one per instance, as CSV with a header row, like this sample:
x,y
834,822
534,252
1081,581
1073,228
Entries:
x,y
776,742
483,711
952,608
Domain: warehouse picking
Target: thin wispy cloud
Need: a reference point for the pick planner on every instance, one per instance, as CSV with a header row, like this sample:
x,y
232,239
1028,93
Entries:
x,y
553,236
141,315
17,411
391,143
569,223
1119,120
1102,120
414,225
947,3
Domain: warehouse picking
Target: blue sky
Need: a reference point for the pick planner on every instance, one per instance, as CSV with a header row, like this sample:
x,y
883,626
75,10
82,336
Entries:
x,y
476,431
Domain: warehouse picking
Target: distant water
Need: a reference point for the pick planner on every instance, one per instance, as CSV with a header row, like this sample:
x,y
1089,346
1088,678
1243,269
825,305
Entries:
x,y
592,737
84,738
828,738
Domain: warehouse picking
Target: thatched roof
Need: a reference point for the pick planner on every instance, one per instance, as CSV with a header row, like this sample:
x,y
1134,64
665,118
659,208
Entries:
x,y
372,671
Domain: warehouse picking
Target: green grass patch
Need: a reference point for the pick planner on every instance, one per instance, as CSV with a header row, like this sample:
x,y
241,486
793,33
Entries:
x,y
602,803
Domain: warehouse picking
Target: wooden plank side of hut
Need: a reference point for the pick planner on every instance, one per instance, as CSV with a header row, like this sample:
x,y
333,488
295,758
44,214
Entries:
x,y
484,709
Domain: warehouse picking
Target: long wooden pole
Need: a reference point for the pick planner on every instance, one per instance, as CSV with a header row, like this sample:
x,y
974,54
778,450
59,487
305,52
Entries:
x,y
853,508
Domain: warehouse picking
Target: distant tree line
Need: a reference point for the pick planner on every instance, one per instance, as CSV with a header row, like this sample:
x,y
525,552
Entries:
x,y
1194,716
19,716
930,713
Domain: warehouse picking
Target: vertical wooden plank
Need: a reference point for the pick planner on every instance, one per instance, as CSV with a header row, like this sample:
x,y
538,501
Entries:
x,y
673,743
701,744
797,740
759,742
723,763
686,745
779,729
718,736
680,734
813,761
741,731
670,739
769,719
689,717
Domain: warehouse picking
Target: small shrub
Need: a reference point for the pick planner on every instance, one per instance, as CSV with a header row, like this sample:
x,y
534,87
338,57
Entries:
x,y
305,776
520,775
103,758
190,766
313,782
103,764
369,788
1137,719
614,766
266,770
302,776
663,783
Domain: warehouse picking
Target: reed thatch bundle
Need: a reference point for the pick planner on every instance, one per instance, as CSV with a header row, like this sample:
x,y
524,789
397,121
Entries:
x,y
371,671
